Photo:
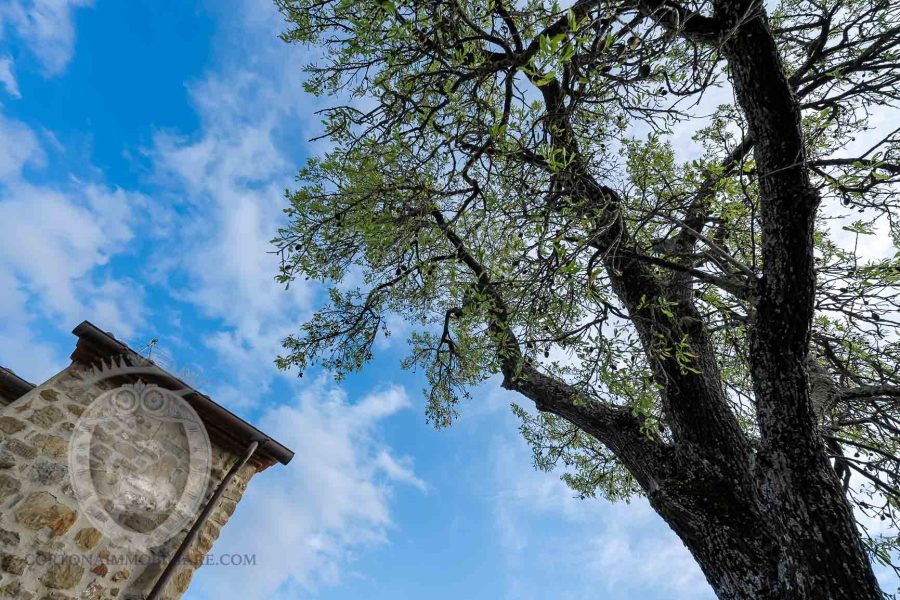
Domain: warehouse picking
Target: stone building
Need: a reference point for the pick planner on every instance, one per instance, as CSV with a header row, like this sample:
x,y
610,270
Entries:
x,y
81,430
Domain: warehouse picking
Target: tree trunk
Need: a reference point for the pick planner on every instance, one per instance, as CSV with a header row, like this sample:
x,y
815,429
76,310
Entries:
x,y
778,526
747,555
745,537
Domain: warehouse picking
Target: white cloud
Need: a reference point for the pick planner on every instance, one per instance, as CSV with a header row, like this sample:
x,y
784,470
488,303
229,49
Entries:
x,y
303,522
635,552
16,333
399,470
624,549
46,28
20,148
230,178
8,78
54,239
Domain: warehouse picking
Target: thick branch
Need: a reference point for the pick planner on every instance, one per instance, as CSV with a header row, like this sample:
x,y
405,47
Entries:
x,y
693,400
870,391
681,21
614,426
781,325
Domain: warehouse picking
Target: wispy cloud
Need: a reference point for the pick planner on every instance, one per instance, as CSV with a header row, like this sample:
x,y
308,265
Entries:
x,y
45,27
54,240
231,180
304,522
582,546
8,77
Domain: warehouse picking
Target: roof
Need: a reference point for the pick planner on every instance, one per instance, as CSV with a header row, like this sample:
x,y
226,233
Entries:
x,y
226,429
12,387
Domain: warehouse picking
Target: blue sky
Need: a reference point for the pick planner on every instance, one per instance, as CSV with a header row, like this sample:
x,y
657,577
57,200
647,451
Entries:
x,y
144,148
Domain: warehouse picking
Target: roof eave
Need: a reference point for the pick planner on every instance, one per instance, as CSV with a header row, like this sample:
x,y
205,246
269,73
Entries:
x,y
95,345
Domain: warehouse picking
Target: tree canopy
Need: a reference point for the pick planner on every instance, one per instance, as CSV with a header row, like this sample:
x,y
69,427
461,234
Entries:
x,y
655,220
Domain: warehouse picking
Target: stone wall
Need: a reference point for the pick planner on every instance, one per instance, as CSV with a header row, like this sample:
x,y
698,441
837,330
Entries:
x,y
48,549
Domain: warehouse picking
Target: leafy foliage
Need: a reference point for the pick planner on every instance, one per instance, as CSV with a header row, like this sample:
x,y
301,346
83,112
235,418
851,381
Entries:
x,y
491,162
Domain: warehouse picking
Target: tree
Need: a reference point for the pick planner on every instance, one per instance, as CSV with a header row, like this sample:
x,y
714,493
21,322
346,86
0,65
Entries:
x,y
701,326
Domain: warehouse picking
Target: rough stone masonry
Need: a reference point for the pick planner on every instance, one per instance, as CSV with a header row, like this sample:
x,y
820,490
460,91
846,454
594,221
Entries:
x,y
49,549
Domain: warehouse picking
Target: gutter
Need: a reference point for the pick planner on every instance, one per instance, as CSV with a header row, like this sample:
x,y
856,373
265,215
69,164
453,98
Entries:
x,y
12,387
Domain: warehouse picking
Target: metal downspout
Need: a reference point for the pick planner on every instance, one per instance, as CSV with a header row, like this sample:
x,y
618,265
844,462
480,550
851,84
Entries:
x,y
167,573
